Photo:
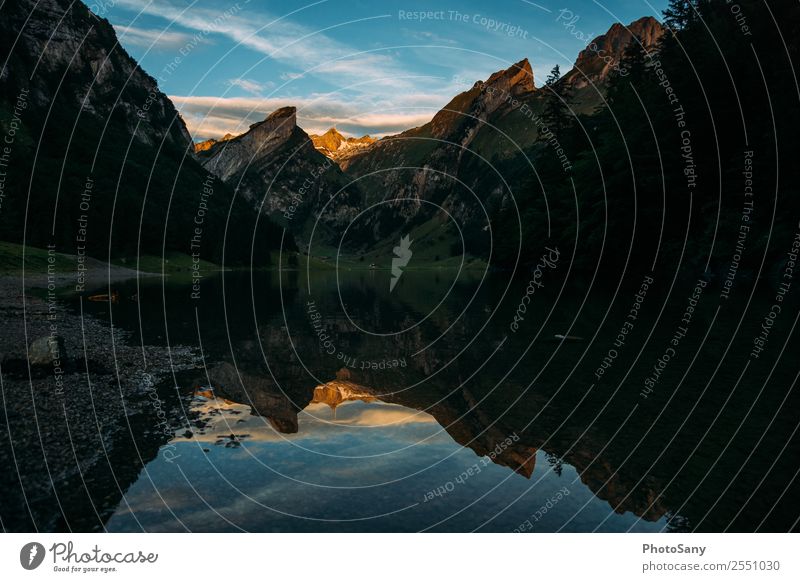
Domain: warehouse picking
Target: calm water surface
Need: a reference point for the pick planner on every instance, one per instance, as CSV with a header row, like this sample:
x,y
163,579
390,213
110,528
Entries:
x,y
329,403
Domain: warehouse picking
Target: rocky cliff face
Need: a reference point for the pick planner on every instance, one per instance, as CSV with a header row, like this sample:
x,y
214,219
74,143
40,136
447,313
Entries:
x,y
276,167
469,157
503,86
466,113
226,158
76,59
91,124
602,56
414,172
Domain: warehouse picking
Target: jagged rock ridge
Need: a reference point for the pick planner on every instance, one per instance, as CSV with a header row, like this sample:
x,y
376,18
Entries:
x,y
443,162
205,145
276,167
225,158
602,56
455,160
336,146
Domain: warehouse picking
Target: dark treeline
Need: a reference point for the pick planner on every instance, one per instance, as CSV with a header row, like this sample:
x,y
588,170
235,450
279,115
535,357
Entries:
x,y
662,163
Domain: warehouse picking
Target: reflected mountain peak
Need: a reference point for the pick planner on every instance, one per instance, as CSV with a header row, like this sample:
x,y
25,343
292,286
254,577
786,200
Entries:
x,y
336,392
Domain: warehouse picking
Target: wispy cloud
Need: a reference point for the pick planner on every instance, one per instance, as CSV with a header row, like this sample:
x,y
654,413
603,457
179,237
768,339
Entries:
x,y
251,86
425,36
374,92
152,38
280,39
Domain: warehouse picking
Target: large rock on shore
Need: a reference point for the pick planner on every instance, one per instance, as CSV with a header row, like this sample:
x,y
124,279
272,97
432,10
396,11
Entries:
x,y
47,351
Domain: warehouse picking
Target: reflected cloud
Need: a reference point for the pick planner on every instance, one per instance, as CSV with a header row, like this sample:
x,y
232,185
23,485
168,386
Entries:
x,y
335,407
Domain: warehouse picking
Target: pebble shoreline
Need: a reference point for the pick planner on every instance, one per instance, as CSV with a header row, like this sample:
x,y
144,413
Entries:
x,y
55,429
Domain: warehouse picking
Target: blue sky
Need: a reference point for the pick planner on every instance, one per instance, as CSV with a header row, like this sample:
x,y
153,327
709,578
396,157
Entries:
x,y
364,67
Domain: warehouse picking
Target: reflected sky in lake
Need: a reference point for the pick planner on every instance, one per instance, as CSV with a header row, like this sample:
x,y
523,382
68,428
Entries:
x,y
238,472
439,418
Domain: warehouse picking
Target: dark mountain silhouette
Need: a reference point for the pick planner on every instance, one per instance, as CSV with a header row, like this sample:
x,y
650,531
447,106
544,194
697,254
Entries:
x,y
97,143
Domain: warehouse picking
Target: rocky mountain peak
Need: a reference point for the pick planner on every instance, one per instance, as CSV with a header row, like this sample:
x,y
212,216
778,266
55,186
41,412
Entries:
x,y
227,157
283,119
603,55
336,146
647,29
484,98
287,113
334,133
518,78
202,146
513,82
330,141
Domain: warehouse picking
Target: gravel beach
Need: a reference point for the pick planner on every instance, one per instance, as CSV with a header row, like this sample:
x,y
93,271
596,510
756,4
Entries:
x,y
78,398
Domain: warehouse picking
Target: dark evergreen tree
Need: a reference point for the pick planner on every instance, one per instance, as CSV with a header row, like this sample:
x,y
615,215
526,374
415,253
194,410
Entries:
x,y
557,113
680,13
631,73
